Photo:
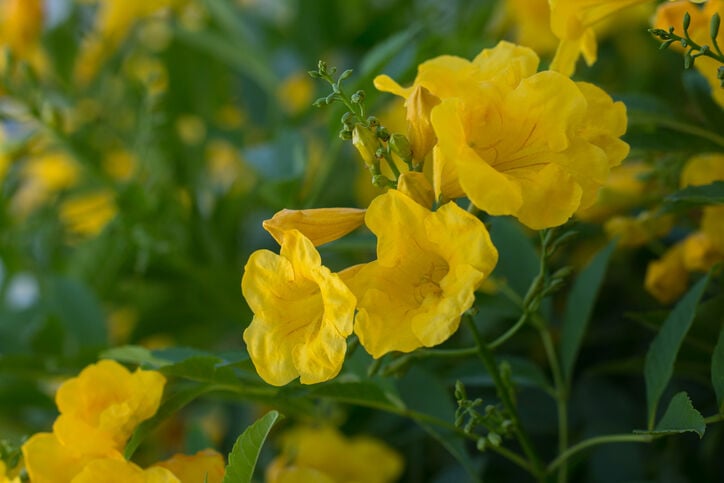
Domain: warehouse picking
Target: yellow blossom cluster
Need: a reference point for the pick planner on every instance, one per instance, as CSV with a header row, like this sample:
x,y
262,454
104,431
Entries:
x,y
512,140
99,410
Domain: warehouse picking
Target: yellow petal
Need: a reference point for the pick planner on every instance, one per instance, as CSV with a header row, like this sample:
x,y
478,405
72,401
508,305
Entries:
x,y
667,278
121,471
416,186
420,133
385,83
303,314
507,63
48,461
320,226
205,466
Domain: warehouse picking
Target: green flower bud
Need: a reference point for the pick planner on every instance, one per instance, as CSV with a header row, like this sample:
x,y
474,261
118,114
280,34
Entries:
x,y
401,146
366,143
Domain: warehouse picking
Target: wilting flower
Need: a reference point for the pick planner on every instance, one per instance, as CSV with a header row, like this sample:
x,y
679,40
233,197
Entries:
x,y
101,407
319,225
302,313
427,269
672,14
325,455
572,21
205,466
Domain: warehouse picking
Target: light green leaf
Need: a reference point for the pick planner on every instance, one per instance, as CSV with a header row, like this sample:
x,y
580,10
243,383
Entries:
x,y
202,369
681,417
660,358
579,307
134,354
243,456
717,371
79,310
383,52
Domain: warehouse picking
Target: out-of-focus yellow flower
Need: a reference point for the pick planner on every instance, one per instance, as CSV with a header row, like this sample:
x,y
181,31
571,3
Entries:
x,y
121,323
672,14
532,24
325,455
230,117
113,22
148,71
667,278
538,152
86,215
572,21
205,466
120,164
700,253
226,168
101,407
8,475
320,225
21,23
302,313
702,169
424,277
190,129
296,93
47,460
111,470
43,176
639,230
624,189
712,225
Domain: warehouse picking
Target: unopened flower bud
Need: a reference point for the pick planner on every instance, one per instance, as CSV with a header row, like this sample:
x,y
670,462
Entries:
x,y
365,140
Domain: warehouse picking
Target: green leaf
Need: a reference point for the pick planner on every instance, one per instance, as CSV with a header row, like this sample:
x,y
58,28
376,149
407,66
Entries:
x,y
681,417
375,60
660,358
693,196
134,354
79,310
360,393
579,308
243,456
518,262
208,369
177,399
717,371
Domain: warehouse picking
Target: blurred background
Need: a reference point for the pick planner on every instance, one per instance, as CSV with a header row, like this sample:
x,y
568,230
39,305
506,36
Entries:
x,y
142,143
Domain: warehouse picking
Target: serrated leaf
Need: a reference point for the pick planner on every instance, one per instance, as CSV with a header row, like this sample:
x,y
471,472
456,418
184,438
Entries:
x,y
660,358
681,417
717,371
177,399
579,308
245,452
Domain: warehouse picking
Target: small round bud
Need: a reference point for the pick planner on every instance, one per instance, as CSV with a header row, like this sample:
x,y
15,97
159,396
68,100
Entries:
x,y
494,439
345,135
358,97
372,121
383,133
401,146
481,444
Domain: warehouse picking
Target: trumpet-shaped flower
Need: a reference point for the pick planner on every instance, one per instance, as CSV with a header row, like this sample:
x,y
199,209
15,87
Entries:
x,y
302,313
320,226
671,14
427,269
47,460
572,22
538,151
325,455
101,407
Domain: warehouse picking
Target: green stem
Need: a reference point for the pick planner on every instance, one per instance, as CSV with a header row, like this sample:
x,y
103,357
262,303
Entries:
x,y
587,443
717,418
635,118
561,395
510,332
444,353
486,356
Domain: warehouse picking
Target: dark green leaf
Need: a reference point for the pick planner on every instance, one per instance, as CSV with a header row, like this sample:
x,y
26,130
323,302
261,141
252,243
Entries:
x,y
518,262
579,308
717,370
203,369
79,310
243,456
693,196
681,417
133,354
174,402
383,52
660,358
361,393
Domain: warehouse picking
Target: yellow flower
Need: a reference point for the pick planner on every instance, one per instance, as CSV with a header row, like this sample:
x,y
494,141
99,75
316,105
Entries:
x,y
672,14
205,466
325,455
572,22
21,23
296,93
427,269
416,186
667,278
532,24
702,169
47,460
302,313
625,188
8,475
43,176
320,225
101,407
86,215
111,470
538,151
633,232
